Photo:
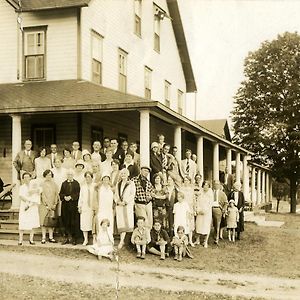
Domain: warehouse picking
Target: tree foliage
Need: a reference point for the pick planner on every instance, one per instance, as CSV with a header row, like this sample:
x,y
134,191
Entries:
x,y
266,114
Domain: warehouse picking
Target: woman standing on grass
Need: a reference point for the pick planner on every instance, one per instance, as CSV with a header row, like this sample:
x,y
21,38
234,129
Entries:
x,y
204,213
124,199
47,209
29,194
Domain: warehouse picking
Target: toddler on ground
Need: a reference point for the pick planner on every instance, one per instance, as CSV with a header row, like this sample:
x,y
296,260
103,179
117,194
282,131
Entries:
x,y
180,242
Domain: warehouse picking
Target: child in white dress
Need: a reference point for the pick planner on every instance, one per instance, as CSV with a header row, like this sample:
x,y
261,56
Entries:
x,y
104,247
232,217
182,213
180,242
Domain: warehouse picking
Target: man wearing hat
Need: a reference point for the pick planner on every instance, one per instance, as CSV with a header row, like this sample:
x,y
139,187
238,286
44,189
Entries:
x,y
143,198
155,160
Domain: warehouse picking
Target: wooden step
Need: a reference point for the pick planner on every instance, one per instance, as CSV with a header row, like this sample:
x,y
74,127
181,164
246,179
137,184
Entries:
x,y
9,224
12,214
12,234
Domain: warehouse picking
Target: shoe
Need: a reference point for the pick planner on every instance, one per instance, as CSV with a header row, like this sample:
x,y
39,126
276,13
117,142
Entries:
x,y
99,257
52,240
192,244
163,256
205,245
197,243
20,243
143,256
31,243
66,241
180,258
84,243
43,242
139,254
120,246
176,257
216,242
74,242
221,238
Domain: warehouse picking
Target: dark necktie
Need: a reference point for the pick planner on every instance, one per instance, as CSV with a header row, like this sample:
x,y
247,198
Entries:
x,y
164,162
187,166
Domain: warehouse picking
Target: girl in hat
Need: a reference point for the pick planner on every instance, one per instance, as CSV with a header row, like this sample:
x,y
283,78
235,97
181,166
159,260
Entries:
x,y
232,217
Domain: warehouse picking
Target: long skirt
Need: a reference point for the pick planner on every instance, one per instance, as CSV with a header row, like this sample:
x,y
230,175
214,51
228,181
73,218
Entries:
x,y
124,218
70,217
203,223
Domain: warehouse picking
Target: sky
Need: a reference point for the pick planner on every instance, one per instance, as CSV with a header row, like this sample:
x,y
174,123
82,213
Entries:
x,y
220,34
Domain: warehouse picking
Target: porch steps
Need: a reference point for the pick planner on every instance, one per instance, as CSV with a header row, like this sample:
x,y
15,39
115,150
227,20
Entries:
x,y
9,214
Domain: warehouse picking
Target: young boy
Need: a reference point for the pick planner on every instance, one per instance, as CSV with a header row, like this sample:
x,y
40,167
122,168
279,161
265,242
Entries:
x,y
159,240
140,237
180,243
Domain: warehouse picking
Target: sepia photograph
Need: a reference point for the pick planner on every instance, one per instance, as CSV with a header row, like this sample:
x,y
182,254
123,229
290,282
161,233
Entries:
x,y
150,149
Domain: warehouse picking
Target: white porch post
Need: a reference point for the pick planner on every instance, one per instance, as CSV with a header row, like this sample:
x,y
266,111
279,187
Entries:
x,y
16,147
245,178
238,167
177,141
215,161
145,137
267,188
253,190
258,186
200,155
228,161
263,187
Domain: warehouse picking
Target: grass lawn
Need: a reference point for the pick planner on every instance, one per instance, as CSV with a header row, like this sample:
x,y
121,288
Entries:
x,y
262,251
26,287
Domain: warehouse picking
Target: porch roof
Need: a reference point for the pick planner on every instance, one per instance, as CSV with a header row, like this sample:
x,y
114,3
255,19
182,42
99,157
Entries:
x,y
84,96
35,5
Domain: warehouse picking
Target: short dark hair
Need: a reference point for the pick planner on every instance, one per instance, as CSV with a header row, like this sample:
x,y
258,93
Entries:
x,y
46,172
180,228
26,173
140,218
88,173
156,221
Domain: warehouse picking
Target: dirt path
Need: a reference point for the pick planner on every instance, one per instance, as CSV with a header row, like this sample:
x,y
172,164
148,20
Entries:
x,y
132,275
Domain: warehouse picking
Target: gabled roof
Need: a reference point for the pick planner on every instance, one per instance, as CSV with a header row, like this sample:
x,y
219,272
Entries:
x,y
182,45
217,126
34,5
62,95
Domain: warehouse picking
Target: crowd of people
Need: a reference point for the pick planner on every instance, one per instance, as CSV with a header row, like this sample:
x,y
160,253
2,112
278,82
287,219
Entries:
x,y
163,209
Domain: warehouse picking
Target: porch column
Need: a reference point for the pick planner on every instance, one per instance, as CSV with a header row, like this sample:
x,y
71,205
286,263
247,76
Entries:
x,y
258,186
177,142
215,161
263,187
253,190
16,147
145,137
228,161
245,178
238,167
267,188
200,155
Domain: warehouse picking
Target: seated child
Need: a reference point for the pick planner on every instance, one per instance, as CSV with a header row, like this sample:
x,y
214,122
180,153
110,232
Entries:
x,y
104,245
159,240
140,237
232,217
180,242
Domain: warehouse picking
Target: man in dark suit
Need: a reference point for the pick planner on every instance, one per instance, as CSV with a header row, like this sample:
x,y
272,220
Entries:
x,y
69,195
227,180
24,161
239,201
76,153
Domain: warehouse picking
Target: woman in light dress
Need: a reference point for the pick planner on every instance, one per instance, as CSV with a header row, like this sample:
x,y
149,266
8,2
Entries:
x,y
42,163
79,172
87,159
29,219
85,205
115,174
204,212
47,209
188,190
104,203
124,199
68,160
105,166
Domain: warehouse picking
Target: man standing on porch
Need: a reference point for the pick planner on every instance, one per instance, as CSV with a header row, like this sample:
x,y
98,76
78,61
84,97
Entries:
x,y
53,155
143,197
24,161
188,166
97,155
76,153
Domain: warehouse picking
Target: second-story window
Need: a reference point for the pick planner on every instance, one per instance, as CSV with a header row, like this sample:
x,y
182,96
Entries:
x,y
167,93
34,53
157,32
138,17
122,71
97,45
148,75
180,101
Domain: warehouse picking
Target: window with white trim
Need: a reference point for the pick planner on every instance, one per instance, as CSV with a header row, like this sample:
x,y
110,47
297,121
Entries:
x,y
148,79
97,46
122,71
180,101
138,17
34,53
167,93
157,33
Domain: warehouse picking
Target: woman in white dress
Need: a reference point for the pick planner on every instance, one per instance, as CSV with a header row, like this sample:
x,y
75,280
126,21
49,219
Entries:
x,y
85,207
30,194
87,159
104,202
115,174
124,199
204,212
79,172
68,160
42,163
105,166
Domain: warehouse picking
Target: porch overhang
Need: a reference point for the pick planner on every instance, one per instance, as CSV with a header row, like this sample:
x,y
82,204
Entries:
x,y
69,96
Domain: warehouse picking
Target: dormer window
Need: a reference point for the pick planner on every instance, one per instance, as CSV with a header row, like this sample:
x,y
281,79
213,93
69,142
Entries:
x,y
34,53
138,17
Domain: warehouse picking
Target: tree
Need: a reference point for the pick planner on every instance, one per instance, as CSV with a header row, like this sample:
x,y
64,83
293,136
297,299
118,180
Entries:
x,y
280,189
266,113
